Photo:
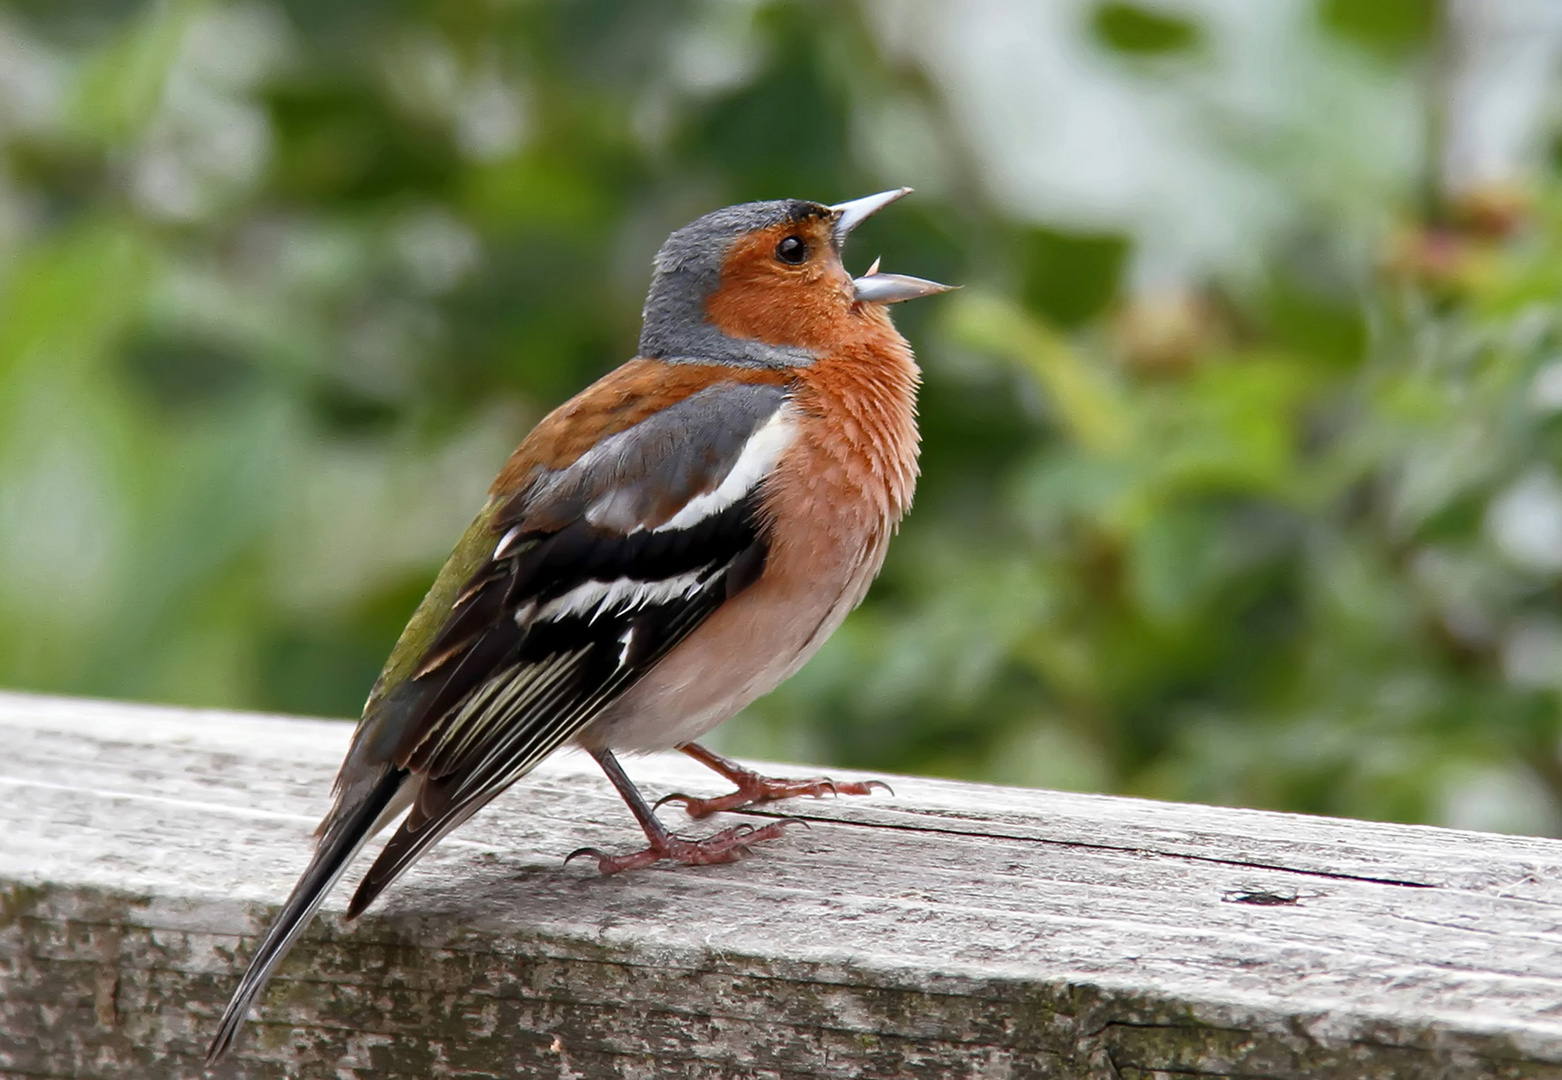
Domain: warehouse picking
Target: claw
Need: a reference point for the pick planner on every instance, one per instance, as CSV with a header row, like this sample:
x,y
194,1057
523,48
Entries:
x,y
871,784
581,852
673,797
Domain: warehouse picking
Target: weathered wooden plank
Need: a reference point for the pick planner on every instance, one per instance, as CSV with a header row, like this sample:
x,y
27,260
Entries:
x,y
950,930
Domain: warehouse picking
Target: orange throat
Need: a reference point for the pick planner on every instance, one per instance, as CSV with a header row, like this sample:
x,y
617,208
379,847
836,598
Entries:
x,y
859,404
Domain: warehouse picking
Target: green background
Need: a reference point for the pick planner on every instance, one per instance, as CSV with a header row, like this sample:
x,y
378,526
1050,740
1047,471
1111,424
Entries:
x,y
1259,507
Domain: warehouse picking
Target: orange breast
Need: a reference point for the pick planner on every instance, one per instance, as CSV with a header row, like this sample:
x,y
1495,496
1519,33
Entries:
x,y
846,482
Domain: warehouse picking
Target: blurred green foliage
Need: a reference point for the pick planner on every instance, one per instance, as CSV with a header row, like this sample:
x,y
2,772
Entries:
x,y
282,283
1392,28
1129,28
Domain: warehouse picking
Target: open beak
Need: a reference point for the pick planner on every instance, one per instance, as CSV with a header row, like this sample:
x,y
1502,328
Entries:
x,y
849,215
874,287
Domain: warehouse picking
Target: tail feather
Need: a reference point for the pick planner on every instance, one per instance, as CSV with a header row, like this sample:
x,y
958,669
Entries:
x,y
336,851
401,851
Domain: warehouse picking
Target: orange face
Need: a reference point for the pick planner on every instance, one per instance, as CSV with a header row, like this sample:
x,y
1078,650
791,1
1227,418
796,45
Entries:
x,y
785,285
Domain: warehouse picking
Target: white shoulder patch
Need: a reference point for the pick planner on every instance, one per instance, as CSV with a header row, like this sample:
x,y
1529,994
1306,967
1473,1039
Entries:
x,y
758,457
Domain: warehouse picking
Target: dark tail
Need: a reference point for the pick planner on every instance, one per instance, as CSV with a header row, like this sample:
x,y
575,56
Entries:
x,y
337,848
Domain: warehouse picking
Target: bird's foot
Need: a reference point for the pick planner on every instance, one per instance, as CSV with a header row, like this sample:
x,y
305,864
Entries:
x,y
754,789
729,845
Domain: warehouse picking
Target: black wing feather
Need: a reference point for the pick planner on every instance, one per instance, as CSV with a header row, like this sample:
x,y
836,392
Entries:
x,y
589,659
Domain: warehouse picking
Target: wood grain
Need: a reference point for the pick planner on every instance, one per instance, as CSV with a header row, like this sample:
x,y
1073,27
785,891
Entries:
x,y
951,930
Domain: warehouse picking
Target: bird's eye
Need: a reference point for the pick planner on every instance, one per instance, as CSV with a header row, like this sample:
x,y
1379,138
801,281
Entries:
x,y
792,250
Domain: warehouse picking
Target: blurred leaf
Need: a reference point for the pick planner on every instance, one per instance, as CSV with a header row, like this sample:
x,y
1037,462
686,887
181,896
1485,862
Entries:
x,y
1390,29
1231,428
1086,402
1176,559
789,122
1142,31
338,140
1071,277
183,372
66,299
121,86
1321,326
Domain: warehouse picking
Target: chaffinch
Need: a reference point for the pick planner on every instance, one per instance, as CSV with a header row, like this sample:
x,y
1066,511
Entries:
x,y
661,550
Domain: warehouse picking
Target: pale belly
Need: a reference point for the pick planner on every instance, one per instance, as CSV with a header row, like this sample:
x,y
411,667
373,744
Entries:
x,y
752,644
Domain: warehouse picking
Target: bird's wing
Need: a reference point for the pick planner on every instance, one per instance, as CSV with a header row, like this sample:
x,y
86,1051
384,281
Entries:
x,y
576,585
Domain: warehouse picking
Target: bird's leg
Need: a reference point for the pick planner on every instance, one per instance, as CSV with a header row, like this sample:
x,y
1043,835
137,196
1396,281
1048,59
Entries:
x,y
754,788
726,846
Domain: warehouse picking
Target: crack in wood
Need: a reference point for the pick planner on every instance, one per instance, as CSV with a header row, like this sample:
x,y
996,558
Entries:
x,y
1085,845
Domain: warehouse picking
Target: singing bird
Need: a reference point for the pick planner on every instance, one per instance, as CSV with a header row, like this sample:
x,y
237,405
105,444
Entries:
x,y
662,549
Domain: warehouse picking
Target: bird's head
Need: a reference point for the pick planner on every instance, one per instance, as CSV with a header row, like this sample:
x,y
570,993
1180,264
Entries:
x,y
763,284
